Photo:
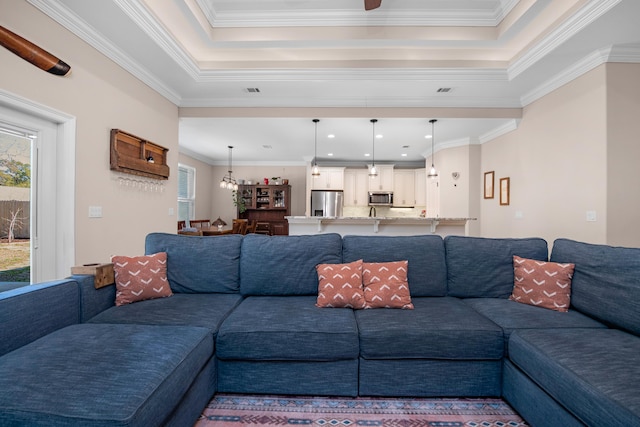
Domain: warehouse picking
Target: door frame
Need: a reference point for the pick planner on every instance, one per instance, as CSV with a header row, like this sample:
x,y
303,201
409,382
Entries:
x,y
56,239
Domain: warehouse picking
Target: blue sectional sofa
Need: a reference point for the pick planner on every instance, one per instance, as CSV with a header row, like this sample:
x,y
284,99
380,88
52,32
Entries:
x,y
243,319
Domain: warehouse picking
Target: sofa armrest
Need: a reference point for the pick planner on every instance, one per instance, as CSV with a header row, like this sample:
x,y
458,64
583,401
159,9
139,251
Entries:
x,y
33,311
93,301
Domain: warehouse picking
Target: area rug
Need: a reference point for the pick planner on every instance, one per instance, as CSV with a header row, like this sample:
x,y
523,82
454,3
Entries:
x,y
226,410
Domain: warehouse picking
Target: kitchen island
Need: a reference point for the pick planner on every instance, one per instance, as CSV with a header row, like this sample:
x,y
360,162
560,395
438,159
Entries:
x,y
385,226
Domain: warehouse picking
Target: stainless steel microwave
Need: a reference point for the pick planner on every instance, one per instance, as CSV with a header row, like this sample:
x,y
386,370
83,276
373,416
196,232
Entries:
x,y
380,198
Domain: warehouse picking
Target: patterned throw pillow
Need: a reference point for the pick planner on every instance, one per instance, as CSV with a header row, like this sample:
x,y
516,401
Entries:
x,y
386,285
140,278
340,285
543,284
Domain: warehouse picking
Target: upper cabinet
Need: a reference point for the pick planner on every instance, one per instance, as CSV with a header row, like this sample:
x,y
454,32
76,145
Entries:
x,y
329,179
404,194
421,187
384,180
356,187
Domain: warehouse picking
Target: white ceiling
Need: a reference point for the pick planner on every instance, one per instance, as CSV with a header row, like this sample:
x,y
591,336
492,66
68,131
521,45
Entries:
x,y
331,60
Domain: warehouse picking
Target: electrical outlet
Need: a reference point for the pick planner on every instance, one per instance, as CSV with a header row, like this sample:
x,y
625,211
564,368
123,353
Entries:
x,y
171,212
591,216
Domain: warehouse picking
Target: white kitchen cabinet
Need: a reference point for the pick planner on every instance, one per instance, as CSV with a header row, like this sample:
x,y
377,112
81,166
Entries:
x,y
356,187
329,179
404,194
384,180
421,186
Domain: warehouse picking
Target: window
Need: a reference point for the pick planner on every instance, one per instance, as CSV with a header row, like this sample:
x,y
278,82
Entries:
x,y
186,192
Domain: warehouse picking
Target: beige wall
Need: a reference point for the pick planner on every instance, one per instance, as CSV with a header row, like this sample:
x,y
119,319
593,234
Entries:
x,y
101,96
623,154
557,163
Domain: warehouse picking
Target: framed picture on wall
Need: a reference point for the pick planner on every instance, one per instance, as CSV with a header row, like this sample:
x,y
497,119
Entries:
x,y
488,184
504,191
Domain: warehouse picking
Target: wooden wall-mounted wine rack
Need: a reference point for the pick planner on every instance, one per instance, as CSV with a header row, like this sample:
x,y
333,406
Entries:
x,y
130,154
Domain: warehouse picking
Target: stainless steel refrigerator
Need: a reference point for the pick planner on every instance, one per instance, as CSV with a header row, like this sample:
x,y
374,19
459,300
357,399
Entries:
x,y
326,203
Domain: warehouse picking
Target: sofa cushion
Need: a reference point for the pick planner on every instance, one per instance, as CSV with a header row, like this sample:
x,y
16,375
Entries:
x,y
199,264
340,285
427,273
386,285
203,310
605,281
140,278
435,329
43,308
482,267
591,372
286,265
511,316
287,328
106,375
542,284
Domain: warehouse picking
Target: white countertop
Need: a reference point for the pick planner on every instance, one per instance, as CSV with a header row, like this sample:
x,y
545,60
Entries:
x,y
377,223
372,218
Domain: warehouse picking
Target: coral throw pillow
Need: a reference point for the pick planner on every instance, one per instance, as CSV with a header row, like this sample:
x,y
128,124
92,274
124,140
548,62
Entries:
x,y
543,284
340,285
140,278
386,285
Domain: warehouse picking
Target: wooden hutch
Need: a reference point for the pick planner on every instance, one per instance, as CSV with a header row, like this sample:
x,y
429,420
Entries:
x,y
268,205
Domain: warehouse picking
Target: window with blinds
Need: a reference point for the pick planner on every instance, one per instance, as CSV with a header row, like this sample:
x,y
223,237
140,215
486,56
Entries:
x,y
186,192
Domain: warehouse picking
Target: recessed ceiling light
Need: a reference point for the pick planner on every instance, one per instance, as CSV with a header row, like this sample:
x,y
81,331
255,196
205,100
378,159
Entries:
x,y
404,154
379,136
367,154
428,136
331,136
330,154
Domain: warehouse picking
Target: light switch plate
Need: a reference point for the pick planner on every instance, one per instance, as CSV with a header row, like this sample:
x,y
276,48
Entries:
x,y
95,211
591,216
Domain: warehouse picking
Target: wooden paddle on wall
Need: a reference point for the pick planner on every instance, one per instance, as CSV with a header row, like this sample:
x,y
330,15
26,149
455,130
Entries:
x,y
32,53
371,4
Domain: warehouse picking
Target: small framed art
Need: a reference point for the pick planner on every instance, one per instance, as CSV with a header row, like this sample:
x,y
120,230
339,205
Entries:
x,y
504,191
488,184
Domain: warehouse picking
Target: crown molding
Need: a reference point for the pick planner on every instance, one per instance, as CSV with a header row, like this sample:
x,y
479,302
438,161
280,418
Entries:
x,y
619,53
577,22
63,16
336,18
142,17
357,74
507,127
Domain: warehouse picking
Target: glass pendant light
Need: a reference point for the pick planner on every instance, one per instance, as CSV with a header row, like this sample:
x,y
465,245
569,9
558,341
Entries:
x,y
315,171
228,181
432,172
373,171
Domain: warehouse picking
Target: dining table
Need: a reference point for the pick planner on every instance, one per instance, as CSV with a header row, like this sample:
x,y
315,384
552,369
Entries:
x,y
215,231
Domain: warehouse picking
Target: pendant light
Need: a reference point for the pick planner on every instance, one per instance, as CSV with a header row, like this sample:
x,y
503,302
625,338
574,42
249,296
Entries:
x,y
373,171
432,171
228,181
315,171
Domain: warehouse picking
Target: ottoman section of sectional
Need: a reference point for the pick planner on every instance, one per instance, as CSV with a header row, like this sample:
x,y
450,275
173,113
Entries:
x,y
103,375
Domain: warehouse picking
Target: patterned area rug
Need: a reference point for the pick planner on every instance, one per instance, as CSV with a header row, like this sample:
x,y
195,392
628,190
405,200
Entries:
x,y
226,410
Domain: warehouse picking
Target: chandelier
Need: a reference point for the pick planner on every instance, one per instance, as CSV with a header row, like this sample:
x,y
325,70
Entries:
x,y
228,181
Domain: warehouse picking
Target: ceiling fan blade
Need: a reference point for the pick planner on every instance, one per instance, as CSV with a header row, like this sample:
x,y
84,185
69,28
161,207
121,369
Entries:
x,y
371,4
